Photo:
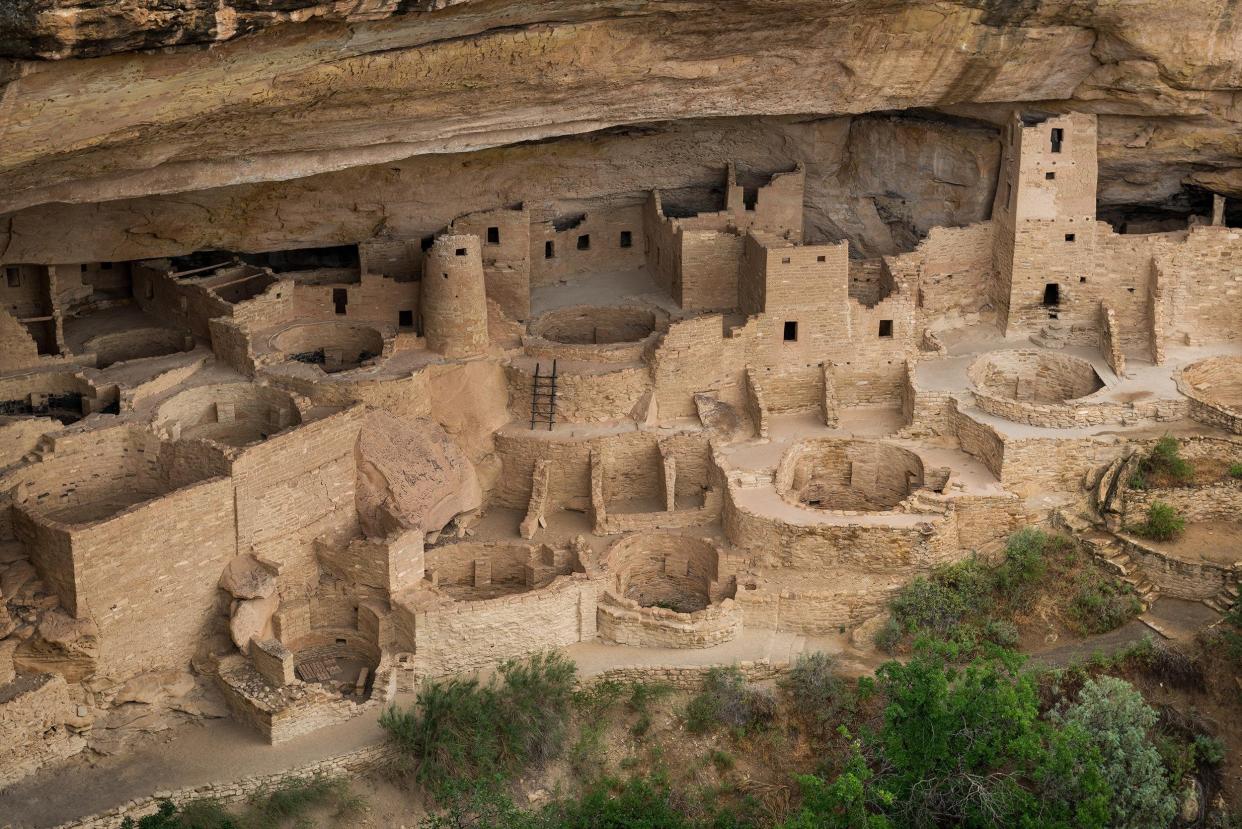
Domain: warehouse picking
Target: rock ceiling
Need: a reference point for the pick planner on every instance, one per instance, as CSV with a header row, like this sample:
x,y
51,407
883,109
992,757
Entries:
x,y
252,102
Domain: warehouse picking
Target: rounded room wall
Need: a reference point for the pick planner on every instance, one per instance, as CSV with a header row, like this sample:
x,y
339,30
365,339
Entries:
x,y
597,333
234,414
335,657
1214,386
843,475
666,590
333,346
1034,376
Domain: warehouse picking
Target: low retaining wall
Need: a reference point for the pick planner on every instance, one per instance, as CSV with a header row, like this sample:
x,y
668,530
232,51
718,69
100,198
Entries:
x,y
359,761
626,622
1193,580
685,678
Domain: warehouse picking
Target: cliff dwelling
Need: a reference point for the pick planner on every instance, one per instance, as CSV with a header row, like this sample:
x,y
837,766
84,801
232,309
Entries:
x,y
293,425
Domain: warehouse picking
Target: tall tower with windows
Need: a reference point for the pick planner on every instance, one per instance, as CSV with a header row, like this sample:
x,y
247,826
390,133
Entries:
x,y
1044,216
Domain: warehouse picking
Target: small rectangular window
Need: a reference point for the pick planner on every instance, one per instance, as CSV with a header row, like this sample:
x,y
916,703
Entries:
x,y
584,242
549,250
1069,237
340,297
405,319
784,260
1050,176
461,251
791,331
13,277
1082,279
886,328
1058,137
821,258
493,236
627,239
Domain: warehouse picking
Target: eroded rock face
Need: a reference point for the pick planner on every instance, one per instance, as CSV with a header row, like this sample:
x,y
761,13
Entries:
x,y
411,475
299,98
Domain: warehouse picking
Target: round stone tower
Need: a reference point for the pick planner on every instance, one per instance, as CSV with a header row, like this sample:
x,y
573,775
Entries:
x,y
454,300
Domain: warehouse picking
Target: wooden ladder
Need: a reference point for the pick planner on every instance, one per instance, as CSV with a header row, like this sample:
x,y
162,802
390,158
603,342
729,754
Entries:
x,y
543,398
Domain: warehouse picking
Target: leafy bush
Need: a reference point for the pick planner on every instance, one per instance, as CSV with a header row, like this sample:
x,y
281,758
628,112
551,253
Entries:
x,y
1100,605
889,636
727,699
1118,721
822,695
940,603
459,730
1235,470
1025,564
1163,523
849,802
287,802
1165,459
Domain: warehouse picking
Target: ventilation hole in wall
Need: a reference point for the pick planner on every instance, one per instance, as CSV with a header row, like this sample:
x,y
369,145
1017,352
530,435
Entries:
x,y
1050,176
1131,290
461,251
584,242
1082,279
493,236
821,258
549,250
886,328
446,276
791,331
1069,237
627,239
341,641
784,260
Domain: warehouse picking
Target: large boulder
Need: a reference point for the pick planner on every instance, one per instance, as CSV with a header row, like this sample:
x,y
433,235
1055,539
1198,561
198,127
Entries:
x,y
246,577
411,475
252,619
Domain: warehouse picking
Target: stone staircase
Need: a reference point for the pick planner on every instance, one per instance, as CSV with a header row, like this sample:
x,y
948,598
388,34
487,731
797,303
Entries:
x,y
1110,552
925,501
44,449
1052,335
1226,599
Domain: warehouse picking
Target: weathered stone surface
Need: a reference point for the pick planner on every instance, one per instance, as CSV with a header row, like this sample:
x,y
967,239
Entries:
x,y
390,89
247,578
252,619
411,475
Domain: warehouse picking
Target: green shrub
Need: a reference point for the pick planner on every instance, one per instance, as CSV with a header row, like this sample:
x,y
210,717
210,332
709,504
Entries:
x,y
1100,605
940,603
288,802
1166,458
1118,721
818,691
1209,750
459,730
728,700
1025,564
889,636
1235,470
1001,632
1163,523
1138,479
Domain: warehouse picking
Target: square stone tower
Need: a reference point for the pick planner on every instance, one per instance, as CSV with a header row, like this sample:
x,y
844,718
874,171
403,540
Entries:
x,y
1045,223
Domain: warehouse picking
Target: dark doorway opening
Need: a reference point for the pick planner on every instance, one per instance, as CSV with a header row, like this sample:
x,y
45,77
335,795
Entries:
x,y
791,331
340,298
1052,294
